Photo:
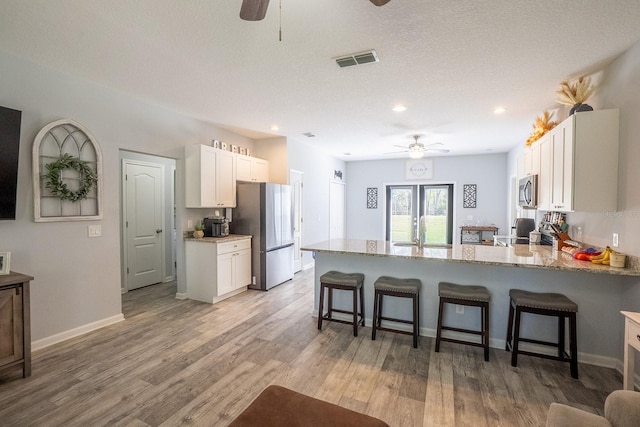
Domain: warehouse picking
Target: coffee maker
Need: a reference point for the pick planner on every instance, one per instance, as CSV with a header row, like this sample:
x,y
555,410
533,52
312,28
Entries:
x,y
216,226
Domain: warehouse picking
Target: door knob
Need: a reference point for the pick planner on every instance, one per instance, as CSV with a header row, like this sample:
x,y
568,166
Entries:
x,y
159,230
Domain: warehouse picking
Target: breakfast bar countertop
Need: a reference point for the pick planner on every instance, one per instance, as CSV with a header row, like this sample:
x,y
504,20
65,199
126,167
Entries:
x,y
528,256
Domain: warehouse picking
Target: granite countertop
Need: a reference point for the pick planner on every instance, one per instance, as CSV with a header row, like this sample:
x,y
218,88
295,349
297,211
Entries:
x,y
229,238
528,256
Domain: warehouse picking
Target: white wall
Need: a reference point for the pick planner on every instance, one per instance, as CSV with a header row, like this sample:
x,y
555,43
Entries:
x,y
275,151
75,286
318,171
488,172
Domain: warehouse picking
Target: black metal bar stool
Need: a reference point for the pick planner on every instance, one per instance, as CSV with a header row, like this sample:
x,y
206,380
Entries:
x,y
547,304
469,295
402,288
353,282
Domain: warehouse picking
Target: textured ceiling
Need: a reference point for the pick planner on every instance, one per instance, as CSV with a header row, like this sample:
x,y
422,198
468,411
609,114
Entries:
x,y
450,62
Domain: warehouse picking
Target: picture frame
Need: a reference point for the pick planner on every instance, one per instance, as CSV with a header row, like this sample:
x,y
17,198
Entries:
x,y
243,151
5,262
469,196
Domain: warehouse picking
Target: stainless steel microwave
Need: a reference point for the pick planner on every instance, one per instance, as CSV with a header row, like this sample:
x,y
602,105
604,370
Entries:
x,y
528,192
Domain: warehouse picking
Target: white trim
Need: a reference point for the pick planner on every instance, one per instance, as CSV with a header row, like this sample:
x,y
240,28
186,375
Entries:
x,y
169,279
181,295
75,332
309,265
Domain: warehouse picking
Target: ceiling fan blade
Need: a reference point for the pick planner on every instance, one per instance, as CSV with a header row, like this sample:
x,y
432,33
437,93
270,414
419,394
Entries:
x,y
401,146
396,152
253,10
439,150
379,2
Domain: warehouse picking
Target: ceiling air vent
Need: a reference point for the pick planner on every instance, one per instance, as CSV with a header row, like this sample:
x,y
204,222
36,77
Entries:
x,y
309,135
357,59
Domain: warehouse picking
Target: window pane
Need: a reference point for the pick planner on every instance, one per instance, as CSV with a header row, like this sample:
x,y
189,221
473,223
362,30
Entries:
x,y
436,210
401,215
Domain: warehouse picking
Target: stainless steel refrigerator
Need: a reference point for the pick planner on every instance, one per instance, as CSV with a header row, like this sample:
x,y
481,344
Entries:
x,y
265,211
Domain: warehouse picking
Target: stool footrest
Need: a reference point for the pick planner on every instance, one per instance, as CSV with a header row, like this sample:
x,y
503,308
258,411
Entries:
x,y
395,320
400,331
453,340
547,343
466,331
564,358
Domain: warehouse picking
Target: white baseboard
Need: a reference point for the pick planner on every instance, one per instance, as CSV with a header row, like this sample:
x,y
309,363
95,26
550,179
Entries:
x,y
72,333
169,279
308,266
181,295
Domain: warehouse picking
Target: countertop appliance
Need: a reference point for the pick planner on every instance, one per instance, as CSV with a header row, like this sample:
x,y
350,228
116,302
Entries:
x,y
524,226
265,211
528,192
216,227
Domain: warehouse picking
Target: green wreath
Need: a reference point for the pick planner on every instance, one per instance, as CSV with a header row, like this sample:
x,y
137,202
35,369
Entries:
x,y
88,178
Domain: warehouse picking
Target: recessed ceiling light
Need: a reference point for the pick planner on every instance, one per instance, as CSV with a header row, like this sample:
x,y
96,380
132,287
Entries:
x,y
274,128
499,110
399,108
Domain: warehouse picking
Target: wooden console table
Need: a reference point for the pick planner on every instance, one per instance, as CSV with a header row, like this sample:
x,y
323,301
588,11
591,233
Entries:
x,y
473,234
631,344
15,322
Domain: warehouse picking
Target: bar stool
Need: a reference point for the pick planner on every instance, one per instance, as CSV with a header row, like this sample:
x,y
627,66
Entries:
x,y
347,282
469,295
402,288
547,304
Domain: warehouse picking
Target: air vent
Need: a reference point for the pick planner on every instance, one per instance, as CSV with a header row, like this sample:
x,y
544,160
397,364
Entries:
x,y
309,135
357,59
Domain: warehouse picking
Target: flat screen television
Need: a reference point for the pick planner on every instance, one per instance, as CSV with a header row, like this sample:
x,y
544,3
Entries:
x,y
10,121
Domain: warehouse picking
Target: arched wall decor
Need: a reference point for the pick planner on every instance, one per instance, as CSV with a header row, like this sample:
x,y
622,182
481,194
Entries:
x,y
61,191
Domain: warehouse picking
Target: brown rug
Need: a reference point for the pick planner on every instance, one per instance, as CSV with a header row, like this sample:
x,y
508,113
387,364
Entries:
x,y
277,406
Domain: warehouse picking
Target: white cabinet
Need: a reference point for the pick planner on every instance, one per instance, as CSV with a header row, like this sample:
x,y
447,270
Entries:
x,y
545,174
579,164
210,177
252,169
532,159
217,270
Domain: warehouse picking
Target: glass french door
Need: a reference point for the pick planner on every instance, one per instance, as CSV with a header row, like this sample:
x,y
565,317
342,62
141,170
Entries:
x,y
406,204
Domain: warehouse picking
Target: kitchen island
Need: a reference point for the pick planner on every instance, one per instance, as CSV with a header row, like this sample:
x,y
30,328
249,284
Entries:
x,y
600,291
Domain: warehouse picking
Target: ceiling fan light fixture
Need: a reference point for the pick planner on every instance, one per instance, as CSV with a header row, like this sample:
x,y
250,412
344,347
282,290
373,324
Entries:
x,y
415,154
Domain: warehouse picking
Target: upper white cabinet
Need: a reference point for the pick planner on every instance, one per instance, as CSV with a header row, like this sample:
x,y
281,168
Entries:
x,y
252,169
210,177
532,159
579,163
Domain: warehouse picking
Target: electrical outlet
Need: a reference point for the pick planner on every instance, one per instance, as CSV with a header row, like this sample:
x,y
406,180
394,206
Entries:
x,y
459,309
615,240
253,280
189,223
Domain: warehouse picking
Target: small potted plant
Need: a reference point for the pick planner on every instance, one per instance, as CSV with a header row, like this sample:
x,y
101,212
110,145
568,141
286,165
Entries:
x,y
198,231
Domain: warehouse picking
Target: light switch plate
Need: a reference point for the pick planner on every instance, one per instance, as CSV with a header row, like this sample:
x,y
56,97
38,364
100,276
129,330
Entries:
x,y
95,230
615,240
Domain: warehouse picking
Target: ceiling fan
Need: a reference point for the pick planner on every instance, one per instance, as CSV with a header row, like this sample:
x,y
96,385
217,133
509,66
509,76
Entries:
x,y
417,149
255,10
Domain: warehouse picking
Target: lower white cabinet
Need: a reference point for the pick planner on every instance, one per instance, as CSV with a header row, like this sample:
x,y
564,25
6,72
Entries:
x,y
217,270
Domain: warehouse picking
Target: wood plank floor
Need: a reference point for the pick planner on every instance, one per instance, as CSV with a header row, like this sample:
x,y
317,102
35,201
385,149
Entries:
x,y
174,362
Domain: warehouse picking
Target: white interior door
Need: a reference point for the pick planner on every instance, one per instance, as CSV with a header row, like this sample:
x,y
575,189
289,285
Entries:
x,y
143,220
337,210
295,180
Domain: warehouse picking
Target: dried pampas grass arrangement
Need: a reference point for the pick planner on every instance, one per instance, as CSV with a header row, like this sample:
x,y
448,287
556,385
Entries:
x,y
541,125
575,93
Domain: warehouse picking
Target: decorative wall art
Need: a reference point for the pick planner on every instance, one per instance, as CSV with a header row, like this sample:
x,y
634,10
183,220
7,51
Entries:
x,y
67,173
419,169
372,198
5,258
469,195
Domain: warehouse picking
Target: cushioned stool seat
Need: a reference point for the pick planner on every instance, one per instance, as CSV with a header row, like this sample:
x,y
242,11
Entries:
x,y
547,304
469,295
402,288
353,282
278,407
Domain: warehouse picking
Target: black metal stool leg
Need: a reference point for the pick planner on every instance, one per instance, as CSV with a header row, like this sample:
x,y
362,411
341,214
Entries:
x,y
321,306
439,327
516,338
508,345
375,315
573,344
